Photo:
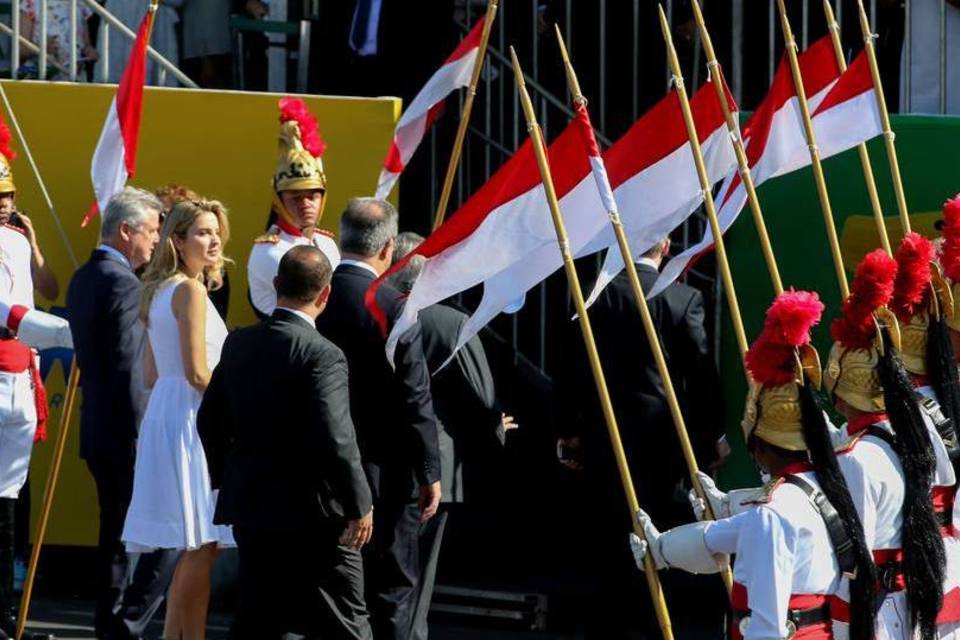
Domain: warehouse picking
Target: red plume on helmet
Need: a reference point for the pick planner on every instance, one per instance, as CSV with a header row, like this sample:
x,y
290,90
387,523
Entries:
x,y
871,289
912,283
5,138
296,110
950,251
790,318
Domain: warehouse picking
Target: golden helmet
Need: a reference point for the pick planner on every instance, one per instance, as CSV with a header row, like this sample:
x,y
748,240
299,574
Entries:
x,y
912,299
778,363
774,415
299,165
913,349
851,375
851,372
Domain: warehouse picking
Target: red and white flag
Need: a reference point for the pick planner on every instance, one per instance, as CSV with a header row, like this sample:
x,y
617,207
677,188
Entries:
x,y
654,178
115,158
427,106
844,114
503,236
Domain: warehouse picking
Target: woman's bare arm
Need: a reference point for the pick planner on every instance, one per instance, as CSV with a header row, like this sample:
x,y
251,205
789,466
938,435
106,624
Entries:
x,y
190,310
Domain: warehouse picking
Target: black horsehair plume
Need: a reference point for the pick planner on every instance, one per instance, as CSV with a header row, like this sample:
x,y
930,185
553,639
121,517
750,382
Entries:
x,y
863,587
924,558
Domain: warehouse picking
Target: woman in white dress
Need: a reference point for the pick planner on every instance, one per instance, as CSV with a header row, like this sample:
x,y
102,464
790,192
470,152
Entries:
x,y
173,504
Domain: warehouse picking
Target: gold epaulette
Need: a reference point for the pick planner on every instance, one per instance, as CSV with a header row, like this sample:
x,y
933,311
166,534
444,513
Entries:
x,y
268,238
765,493
325,232
849,442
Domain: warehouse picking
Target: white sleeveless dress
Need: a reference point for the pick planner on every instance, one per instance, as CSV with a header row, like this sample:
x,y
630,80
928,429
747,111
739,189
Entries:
x,y
172,505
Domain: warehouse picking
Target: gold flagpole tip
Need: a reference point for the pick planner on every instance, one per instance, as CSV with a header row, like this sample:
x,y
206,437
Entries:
x,y
563,46
664,25
517,71
697,13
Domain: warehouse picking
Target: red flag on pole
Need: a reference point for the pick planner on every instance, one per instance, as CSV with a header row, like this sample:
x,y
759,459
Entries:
x,y
115,158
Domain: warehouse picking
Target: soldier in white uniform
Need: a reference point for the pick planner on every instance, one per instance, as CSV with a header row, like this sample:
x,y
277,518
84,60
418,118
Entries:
x,y
23,406
929,358
299,195
889,458
949,620
797,537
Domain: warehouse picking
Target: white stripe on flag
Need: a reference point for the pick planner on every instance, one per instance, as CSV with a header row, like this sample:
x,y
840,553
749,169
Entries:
x,y
413,123
786,151
108,169
650,212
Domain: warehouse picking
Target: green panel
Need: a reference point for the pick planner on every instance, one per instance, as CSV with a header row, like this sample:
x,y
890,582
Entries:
x,y
930,163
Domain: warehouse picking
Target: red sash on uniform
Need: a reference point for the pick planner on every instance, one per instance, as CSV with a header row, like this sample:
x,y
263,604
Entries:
x,y
822,630
943,498
16,357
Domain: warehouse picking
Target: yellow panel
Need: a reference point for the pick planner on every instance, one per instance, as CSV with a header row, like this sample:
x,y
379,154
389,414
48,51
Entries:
x,y
220,144
859,234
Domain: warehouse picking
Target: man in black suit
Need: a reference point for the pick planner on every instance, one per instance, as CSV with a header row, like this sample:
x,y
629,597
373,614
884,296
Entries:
x,y
646,428
392,410
281,448
103,302
469,420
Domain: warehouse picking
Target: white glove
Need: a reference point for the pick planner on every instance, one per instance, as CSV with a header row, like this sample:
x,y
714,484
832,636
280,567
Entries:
x,y
719,501
639,547
42,330
682,547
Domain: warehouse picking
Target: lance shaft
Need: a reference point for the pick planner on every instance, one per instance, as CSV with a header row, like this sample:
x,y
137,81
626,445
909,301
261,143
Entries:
x,y
791,47
655,348
708,204
465,116
888,135
716,77
652,578
871,182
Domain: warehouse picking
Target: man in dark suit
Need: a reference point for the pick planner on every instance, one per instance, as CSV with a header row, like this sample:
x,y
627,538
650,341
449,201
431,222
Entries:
x,y
103,302
281,448
392,410
646,428
469,419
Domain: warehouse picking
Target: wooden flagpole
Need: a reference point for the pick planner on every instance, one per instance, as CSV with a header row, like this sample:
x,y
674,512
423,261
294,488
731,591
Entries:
x,y
705,185
888,135
70,396
716,77
791,47
651,331
465,116
653,579
834,29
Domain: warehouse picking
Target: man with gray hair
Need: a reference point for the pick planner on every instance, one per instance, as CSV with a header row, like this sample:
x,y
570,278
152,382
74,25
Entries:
x,y
392,411
102,303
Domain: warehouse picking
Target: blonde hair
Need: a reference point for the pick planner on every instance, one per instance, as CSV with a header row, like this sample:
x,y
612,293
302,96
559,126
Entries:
x,y
167,263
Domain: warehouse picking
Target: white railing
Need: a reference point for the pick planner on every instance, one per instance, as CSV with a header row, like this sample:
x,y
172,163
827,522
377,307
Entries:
x,y
107,21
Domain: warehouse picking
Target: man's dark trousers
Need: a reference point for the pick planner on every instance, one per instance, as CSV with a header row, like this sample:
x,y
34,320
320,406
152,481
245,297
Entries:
x,y
307,584
128,596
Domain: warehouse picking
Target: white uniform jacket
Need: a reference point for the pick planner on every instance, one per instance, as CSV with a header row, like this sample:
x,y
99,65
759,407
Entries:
x,y
785,561
265,257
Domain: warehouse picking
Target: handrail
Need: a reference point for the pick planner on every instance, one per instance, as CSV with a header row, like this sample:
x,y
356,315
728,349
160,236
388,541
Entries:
x,y
154,55
108,18
32,47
